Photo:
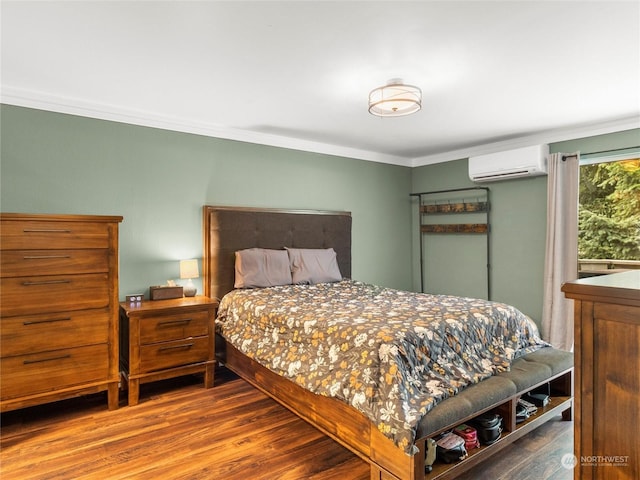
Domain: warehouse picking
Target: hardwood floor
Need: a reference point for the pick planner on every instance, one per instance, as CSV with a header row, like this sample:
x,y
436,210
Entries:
x,y
180,430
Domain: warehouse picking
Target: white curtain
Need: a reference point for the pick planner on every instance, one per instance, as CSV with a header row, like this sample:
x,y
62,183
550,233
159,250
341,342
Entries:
x,y
561,257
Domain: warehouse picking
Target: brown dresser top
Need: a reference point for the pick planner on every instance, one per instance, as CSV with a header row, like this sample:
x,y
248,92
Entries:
x,y
60,217
150,306
621,288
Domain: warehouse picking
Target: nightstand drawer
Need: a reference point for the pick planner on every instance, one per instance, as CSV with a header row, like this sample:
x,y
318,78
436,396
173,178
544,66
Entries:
x,y
52,331
173,354
29,235
53,293
162,328
46,371
20,263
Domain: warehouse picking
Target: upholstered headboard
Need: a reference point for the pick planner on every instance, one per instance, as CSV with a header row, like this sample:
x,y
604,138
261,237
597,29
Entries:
x,y
228,229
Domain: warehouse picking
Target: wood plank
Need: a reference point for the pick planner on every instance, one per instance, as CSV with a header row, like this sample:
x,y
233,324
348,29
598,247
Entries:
x,y
458,207
455,228
179,430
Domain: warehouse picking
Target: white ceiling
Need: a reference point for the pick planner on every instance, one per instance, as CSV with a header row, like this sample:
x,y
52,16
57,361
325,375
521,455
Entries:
x,y
297,74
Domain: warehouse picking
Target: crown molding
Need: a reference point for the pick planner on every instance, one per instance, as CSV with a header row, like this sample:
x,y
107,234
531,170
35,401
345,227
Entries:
x,y
73,106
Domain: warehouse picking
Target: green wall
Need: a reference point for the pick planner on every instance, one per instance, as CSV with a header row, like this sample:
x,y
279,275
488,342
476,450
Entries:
x,y
518,230
159,180
456,264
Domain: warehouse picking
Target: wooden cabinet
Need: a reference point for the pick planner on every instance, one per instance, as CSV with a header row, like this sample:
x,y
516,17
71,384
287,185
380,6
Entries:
x,y
58,308
607,364
166,338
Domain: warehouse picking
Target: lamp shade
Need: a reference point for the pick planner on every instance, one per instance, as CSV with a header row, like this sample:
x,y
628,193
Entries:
x,y
395,99
189,269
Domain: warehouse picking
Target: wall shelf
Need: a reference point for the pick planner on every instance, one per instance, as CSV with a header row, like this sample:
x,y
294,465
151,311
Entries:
x,y
436,203
460,207
455,228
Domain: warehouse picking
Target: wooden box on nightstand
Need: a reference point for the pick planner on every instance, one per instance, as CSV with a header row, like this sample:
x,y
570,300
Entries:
x,y
162,339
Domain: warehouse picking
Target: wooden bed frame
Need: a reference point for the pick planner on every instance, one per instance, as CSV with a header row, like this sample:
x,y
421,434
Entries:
x,y
227,229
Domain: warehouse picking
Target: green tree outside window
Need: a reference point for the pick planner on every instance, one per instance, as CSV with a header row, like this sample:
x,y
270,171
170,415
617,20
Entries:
x,y
609,214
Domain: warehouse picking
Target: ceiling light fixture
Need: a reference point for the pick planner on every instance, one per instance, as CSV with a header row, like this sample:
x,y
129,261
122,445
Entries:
x,y
395,99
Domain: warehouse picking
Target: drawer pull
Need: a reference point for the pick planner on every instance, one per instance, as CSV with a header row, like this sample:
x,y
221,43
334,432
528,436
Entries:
x,y
45,282
50,359
49,320
170,323
46,230
186,346
44,257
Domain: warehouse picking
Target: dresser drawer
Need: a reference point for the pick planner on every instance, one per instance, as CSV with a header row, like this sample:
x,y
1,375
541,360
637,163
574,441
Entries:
x,y
38,235
32,333
162,328
173,354
19,263
53,293
47,371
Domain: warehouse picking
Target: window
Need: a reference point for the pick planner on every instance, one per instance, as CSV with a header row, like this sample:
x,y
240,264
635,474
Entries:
x,y
609,215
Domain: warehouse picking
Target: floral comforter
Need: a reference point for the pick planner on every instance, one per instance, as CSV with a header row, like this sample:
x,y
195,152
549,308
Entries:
x,y
390,354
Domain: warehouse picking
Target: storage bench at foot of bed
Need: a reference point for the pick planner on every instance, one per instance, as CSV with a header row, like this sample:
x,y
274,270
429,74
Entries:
x,y
560,403
353,430
486,393
500,394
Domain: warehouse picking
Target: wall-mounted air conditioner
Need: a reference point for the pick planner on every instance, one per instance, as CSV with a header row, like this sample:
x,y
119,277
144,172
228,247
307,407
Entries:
x,y
522,162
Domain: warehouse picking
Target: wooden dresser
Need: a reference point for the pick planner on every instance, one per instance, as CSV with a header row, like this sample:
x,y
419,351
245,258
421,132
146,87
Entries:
x,y
58,308
607,375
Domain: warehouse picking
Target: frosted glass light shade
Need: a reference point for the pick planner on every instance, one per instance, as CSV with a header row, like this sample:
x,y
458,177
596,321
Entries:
x,y
395,99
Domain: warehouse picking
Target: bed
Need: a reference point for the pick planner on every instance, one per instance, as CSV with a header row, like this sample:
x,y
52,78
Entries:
x,y
387,429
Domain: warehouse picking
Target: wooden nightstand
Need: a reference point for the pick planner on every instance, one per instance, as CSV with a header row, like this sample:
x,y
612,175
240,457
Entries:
x,y
162,339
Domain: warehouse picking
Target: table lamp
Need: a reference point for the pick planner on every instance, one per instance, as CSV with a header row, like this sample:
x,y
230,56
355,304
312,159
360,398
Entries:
x,y
189,270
